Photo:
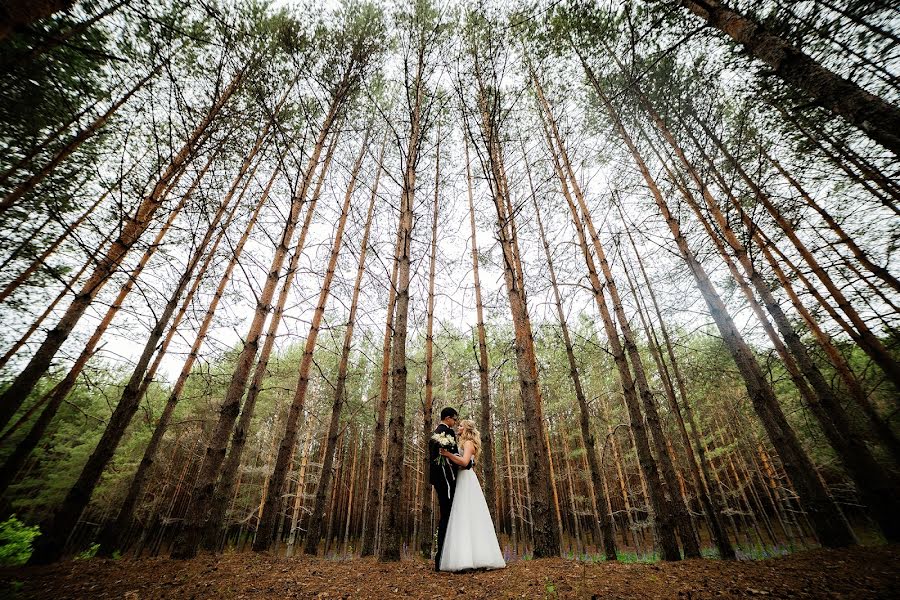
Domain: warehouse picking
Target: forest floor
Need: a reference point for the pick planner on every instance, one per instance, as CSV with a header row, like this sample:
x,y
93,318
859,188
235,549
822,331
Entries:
x,y
861,572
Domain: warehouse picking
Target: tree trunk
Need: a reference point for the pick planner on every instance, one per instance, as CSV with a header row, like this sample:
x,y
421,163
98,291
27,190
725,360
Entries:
x,y
867,339
602,530
664,521
711,506
231,466
858,253
188,540
13,397
428,405
373,494
546,536
50,545
67,288
391,535
876,118
829,524
62,237
873,483
126,512
484,390
315,529
266,528
61,391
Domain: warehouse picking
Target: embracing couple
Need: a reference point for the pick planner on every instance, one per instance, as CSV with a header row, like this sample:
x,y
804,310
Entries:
x,y
466,536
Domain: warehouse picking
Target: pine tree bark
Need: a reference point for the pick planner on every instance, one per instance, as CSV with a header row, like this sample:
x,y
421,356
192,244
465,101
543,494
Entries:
x,y
601,526
231,466
391,534
51,543
126,512
428,404
546,537
376,467
484,389
876,118
266,527
828,522
13,397
314,532
61,391
189,538
664,518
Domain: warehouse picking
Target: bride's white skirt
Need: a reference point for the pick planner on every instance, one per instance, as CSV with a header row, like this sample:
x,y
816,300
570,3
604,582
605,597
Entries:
x,y
471,541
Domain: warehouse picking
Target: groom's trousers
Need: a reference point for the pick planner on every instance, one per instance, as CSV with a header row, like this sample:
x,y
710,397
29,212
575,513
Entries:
x,y
444,493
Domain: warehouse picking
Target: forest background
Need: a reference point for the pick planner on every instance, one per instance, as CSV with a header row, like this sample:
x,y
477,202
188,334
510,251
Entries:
x,y
249,251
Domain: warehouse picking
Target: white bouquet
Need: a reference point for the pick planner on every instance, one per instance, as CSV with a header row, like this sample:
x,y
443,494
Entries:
x,y
443,440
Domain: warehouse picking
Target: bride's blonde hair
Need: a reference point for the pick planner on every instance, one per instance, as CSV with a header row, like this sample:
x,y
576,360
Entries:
x,y
468,433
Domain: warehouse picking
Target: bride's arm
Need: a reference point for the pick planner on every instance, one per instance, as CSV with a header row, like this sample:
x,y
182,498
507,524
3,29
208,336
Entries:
x,y
462,461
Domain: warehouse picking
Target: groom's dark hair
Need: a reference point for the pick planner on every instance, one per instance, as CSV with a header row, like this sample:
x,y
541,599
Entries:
x,y
448,412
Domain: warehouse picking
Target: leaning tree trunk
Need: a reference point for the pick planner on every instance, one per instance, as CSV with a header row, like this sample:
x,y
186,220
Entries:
x,y
314,532
126,512
51,543
231,466
376,466
858,253
878,119
546,536
189,538
484,389
868,341
14,395
428,404
688,535
266,529
60,392
664,519
827,521
711,506
41,259
68,286
873,482
602,530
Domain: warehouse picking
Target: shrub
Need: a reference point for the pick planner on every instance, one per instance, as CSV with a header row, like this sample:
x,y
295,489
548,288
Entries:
x,y
15,541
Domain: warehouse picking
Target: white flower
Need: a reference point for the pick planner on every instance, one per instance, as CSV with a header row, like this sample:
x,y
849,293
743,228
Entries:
x,y
443,440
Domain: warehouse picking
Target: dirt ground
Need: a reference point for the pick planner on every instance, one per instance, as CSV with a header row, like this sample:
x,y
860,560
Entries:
x,y
863,572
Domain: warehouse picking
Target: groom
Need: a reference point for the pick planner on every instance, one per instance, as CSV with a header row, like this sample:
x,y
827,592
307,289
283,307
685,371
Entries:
x,y
443,476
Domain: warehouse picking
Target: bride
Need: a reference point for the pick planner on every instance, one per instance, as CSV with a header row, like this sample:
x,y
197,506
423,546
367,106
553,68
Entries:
x,y
471,541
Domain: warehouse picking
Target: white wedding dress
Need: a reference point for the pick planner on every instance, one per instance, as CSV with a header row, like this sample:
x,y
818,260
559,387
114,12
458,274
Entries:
x,y
471,541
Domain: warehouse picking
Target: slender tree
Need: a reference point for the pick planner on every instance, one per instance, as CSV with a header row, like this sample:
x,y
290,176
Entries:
x,y
602,524
14,395
872,115
830,526
315,530
231,466
189,538
266,529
